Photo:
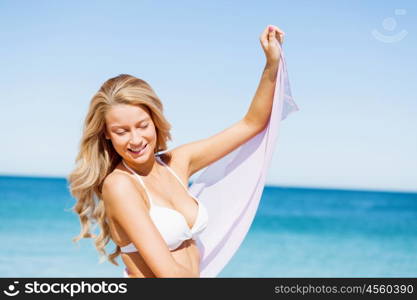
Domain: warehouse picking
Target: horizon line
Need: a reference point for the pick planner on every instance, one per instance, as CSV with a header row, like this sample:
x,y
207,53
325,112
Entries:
x,y
267,184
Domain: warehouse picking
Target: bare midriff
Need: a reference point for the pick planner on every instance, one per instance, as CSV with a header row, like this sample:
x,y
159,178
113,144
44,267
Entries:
x,y
187,255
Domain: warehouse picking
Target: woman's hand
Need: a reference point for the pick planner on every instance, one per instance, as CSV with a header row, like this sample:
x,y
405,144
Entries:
x,y
270,38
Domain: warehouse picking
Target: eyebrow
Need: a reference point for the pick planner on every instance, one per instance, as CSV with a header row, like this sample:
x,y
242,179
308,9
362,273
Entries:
x,y
114,126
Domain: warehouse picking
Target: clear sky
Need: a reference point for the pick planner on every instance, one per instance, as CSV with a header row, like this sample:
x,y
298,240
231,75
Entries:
x,y
352,68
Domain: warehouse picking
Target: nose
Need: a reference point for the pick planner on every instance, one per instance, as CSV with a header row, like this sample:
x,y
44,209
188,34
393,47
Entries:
x,y
135,139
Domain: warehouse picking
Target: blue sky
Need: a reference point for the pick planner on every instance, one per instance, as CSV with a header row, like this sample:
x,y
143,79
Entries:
x,y
357,91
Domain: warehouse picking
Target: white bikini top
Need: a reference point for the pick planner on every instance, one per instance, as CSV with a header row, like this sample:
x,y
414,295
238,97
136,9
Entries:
x,y
171,224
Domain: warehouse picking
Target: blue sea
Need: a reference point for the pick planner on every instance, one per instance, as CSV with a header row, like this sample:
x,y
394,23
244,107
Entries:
x,y
297,232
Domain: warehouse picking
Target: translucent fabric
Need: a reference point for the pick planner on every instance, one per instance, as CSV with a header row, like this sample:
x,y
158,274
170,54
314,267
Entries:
x,y
231,187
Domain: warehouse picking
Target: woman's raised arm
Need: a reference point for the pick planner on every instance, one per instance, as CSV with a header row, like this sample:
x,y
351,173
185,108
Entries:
x,y
261,106
199,154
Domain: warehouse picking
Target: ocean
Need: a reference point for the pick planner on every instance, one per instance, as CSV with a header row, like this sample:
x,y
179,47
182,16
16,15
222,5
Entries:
x,y
297,232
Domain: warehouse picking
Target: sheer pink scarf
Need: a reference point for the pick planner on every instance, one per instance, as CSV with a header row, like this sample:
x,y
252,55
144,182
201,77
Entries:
x,y
231,188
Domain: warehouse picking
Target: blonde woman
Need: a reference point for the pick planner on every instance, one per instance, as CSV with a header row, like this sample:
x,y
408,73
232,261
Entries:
x,y
126,181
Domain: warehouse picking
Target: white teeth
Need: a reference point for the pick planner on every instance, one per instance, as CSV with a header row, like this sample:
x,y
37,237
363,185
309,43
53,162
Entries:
x,y
138,150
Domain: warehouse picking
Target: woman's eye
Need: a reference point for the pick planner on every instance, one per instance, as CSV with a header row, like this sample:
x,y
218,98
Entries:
x,y
123,132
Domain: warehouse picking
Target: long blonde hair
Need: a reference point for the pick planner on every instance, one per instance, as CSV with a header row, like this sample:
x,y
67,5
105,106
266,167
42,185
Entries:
x,y
97,158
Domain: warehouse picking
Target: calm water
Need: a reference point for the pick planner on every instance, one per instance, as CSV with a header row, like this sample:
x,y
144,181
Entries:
x,y
296,233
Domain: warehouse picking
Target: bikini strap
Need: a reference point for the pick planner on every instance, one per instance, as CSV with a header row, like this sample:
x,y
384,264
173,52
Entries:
x,y
172,171
140,180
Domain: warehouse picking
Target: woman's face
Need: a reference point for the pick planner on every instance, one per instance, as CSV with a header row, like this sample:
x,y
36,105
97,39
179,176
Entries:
x,y
131,131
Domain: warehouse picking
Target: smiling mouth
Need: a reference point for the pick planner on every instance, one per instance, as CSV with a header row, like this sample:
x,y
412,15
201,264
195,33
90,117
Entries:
x,y
139,152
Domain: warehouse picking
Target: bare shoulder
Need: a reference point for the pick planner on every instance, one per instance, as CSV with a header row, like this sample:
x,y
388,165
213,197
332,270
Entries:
x,y
116,180
177,159
120,186
116,176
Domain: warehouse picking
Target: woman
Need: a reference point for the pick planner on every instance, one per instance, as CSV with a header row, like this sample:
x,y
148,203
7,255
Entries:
x,y
139,196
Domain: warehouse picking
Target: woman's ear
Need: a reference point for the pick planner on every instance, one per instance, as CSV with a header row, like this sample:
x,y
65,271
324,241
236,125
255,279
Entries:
x,y
106,135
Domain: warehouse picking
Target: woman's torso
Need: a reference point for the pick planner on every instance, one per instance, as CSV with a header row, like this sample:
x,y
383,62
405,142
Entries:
x,y
162,193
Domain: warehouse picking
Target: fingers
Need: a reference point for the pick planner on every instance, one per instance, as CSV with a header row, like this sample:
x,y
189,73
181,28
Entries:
x,y
277,29
277,33
271,32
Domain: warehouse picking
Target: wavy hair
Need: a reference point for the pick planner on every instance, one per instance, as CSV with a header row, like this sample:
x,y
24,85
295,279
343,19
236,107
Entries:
x,y
97,158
